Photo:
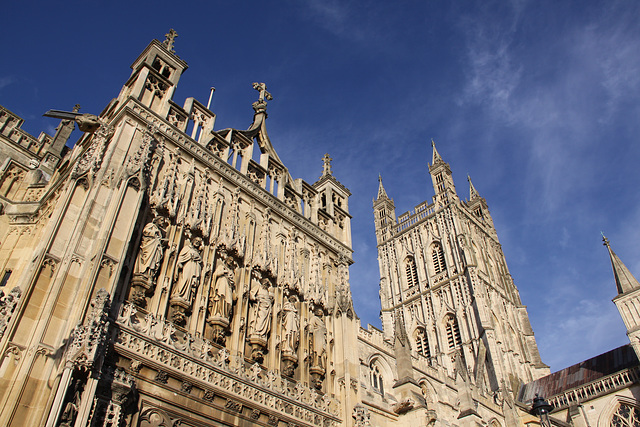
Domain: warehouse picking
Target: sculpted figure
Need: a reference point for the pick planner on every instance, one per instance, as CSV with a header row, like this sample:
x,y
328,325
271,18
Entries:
x,y
150,253
317,339
291,326
222,296
188,271
261,302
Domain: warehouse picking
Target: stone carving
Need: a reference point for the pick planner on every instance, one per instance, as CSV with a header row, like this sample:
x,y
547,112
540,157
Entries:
x,y
87,340
7,306
166,198
361,416
317,347
70,412
200,218
187,279
222,297
261,302
91,160
169,40
291,336
147,264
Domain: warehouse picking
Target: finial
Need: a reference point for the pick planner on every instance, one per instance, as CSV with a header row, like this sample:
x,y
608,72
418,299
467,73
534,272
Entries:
x,y
433,143
264,94
170,38
326,168
76,108
604,240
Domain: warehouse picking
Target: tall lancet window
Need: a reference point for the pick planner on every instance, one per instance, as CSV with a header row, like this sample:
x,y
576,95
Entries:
x,y
453,332
437,255
411,272
376,378
422,343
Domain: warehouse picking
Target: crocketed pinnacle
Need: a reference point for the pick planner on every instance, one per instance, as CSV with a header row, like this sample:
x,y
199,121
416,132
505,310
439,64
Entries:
x,y
625,281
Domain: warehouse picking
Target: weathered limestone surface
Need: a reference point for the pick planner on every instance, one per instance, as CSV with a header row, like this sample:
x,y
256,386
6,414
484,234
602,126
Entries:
x,y
163,273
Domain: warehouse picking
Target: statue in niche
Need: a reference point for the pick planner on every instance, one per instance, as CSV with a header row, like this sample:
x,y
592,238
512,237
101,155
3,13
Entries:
x,y
147,263
261,302
317,347
70,412
187,279
290,336
223,295
222,298
291,325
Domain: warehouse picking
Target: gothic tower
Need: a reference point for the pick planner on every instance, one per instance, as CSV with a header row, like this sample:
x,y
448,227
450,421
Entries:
x,y
444,274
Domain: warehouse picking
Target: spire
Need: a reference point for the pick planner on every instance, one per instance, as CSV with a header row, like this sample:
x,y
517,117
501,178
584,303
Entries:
x,y
382,194
436,156
473,193
624,279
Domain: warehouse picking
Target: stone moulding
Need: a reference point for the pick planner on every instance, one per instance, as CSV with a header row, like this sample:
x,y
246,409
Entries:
x,y
234,176
271,392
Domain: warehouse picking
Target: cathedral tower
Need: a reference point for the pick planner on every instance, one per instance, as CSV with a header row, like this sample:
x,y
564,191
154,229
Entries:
x,y
444,273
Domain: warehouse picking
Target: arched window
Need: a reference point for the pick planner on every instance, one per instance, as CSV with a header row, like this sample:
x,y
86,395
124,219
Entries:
x,y
422,343
437,255
626,416
411,272
453,332
376,378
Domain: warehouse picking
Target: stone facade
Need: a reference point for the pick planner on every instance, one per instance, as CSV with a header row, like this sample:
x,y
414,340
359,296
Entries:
x,y
164,273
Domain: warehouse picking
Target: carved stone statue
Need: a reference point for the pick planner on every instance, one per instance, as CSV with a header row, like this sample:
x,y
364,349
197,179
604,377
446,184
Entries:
x,y
222,296
290,336
187,278
317,348
150,253
261,302
221,299
147,263
291,325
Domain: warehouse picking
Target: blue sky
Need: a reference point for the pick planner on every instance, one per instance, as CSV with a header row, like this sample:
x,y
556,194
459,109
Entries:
x,y
537,100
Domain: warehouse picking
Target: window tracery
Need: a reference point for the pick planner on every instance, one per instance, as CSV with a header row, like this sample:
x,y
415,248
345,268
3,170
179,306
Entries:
x,y
454,338
437,256
422,343
411,272
626,416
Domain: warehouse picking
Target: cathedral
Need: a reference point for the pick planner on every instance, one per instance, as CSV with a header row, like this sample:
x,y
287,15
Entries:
x,y
162,272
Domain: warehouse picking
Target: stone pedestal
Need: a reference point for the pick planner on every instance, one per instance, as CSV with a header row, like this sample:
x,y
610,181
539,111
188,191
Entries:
x,y
219,327
258,348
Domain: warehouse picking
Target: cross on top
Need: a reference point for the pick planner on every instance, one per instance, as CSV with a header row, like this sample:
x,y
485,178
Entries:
x,y
170,38
264,94
326,170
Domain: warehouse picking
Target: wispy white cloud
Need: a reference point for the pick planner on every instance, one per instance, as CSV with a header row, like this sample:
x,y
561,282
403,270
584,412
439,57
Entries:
x,y
6,81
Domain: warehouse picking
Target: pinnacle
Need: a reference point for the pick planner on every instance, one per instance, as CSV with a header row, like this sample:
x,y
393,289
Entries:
x,y
436,156
382,194
625,281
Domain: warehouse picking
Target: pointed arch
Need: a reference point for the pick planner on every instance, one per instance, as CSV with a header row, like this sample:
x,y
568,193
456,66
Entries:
x,y
411,271
437,258
380,375
621,411
421,342
454,339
